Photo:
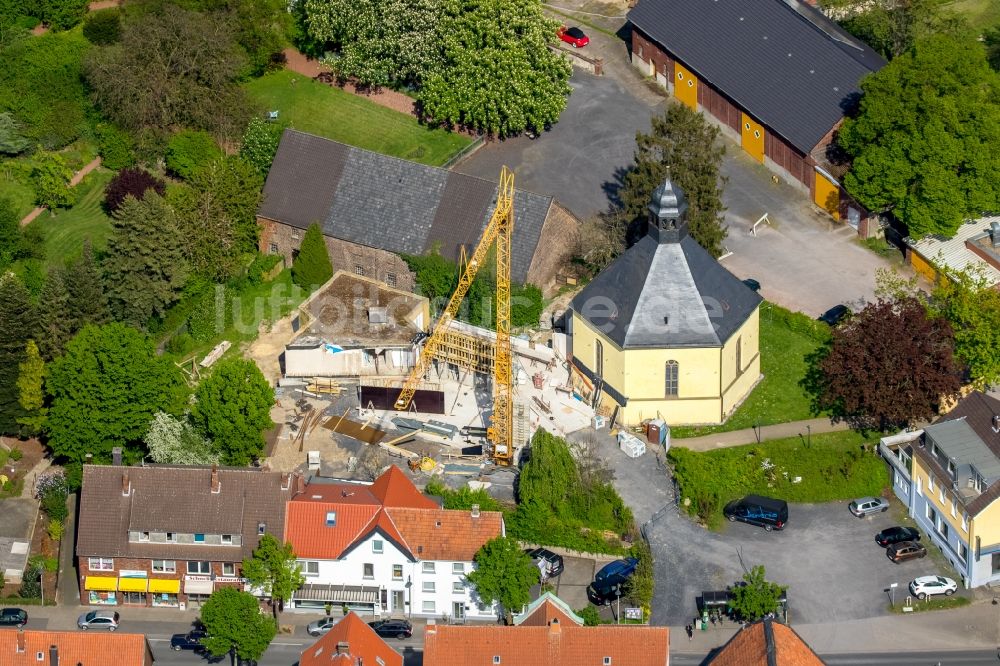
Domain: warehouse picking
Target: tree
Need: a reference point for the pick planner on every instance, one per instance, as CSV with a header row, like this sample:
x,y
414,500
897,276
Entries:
x,y
682,141
504,574
235,625
884,367
103,27
992,40
172,68
436,276
891,27
12,142
259,145
757,597
50,176
189,151
312,266
62,14
144,265
601,239
526,305
926,141
117,147
274,570
173,440
88,303
18,322
233,409
10,233
134,182
31,390
55,323
105,390
972,306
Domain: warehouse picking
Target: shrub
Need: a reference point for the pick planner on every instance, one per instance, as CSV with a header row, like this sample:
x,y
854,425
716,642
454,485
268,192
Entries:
x,y
31,582
50,176
56,529
180,343
116,147
211,315
16,454
103,27
261,266
312,266
591,617
190,151
640,585
130,181
63,14
463,498
260,143
526,305
51,489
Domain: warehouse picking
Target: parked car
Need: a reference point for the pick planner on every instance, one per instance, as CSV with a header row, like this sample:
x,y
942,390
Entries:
x,y
553,562
905,550
189,641
99,619
891,535
610,581
13,617
321,626
769,513
834,315
865,506
752,284
573,36
926,586
392,628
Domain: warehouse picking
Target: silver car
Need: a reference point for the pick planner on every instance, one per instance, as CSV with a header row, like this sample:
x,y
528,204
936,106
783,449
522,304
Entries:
x,y
320,627
98,620
866,506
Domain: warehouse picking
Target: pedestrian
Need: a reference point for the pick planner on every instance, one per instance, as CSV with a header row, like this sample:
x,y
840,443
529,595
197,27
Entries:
x,y
690,632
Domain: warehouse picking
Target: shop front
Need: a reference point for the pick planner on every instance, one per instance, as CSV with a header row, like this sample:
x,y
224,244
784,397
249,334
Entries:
x,y
132,590
101,590
198,589
359,598
164,593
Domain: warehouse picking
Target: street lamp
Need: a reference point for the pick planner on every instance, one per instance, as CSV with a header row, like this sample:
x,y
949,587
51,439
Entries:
x,y
892,594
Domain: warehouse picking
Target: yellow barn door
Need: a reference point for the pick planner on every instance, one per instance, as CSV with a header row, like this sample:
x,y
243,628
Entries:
x,y
827,194
685,86
752,138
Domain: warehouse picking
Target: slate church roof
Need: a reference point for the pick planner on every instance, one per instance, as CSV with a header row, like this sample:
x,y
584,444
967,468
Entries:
x,y
784,62
389,203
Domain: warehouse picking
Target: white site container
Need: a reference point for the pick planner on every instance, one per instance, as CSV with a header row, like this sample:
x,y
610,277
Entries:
x,y
631,445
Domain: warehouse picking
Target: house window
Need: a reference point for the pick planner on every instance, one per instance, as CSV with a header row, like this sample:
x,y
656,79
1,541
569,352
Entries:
x,y
428,607
739,354
171,538
640,50
428,586
930,483
598,358
377,546
199,567
931,514
963,552
607,661
359,270
272,248
101,564
965,522
227,539
390,279
397,572
228,569
331,518
143,536
951,468
458,587
942,528
199,538
164,566
996,563
670,384
496,659
977,483
458,568
954,513
919,484
941,493
309,568
368,570
428,567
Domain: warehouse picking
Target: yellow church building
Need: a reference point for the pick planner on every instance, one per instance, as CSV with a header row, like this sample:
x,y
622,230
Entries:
x,y
665,331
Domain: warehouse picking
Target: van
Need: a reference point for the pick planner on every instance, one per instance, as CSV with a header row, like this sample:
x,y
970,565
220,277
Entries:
x,y
771,514
609,583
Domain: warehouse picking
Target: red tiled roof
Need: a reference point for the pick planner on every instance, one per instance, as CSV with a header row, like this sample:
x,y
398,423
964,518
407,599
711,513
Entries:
x,y
394,488
444,534
75,647
306,529
364,646
750,647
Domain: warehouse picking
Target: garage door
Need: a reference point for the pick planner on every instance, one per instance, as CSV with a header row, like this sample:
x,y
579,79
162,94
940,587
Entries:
x,y
752,138
685,86
827,194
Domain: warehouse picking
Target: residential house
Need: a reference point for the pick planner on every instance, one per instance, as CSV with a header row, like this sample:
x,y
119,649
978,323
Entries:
x,y
385,548
168,535
948,475
547,633
777,75
666,331
351,642
373,207
766,643
29,647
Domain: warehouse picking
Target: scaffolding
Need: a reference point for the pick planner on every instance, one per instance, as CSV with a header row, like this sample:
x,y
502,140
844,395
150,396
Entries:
x,y
469,352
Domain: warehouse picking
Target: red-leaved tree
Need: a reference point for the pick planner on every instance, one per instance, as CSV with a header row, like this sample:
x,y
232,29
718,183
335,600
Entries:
x,y
130,181
885,367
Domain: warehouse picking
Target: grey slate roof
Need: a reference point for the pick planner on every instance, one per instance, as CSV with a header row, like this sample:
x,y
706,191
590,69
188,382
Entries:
x,y
961,443
771,58
389,203
704,303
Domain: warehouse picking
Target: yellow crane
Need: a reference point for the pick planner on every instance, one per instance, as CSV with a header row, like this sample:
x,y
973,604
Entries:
x,y
499,229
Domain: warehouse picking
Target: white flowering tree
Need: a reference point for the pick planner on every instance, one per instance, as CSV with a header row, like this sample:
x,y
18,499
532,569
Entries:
x,y
175,441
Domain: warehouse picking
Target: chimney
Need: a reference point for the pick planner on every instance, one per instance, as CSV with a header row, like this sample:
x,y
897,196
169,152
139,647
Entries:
x,y
300,484
554,627
116,456
475,510
286,481
20,640
343,648
126,485
53,655
216,484
996,423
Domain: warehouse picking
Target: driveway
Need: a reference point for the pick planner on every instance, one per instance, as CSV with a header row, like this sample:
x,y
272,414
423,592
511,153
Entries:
x,y
829,560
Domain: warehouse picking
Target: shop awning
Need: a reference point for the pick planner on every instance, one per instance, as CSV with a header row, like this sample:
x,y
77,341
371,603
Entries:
x,y
339,594
164,585
101,583
198,587
131,584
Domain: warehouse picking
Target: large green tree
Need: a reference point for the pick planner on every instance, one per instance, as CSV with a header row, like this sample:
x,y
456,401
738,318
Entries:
x,y
31,390
259,144
972,306
926,141
504,574
144,265
18,322
88,302
233,410
757,597
55,322
682,141
105,390
50,176
274,570
891,27
62,14
235,625
312,266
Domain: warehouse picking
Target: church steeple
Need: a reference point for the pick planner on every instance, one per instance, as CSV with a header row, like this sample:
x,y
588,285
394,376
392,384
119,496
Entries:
x,y
668,213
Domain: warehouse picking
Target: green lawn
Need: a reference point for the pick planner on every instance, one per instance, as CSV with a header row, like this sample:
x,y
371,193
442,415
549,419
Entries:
x,y
18,192
321,109
832,467
65,232
786,339
981,14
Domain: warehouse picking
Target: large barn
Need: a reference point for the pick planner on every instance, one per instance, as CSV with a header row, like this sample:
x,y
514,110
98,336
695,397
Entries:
x,y
777,75
373,207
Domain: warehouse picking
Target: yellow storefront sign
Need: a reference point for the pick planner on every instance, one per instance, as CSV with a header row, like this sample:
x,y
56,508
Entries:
x,y
162,585
102,583
131,584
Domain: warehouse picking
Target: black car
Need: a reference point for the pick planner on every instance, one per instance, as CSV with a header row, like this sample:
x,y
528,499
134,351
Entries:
x,y
834,315
189,641
553,562
771,514
892,535
752,284
392,628
13,617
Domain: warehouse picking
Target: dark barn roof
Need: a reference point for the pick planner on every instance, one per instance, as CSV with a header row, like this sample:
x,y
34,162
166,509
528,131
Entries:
x,y
784,63
389,203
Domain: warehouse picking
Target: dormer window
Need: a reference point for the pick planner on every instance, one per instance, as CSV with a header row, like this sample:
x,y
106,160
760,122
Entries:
x,y
143,536
331,518
951,468
227,539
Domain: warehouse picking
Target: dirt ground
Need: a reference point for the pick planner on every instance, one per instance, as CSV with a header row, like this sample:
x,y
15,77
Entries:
x,y
267,349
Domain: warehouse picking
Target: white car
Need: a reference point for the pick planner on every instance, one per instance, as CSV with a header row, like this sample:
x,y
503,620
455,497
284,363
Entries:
x,y
926,586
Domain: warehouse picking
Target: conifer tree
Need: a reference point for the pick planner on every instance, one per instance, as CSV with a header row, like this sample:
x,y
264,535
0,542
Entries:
x,y
18,321
55,321
312,267
88,303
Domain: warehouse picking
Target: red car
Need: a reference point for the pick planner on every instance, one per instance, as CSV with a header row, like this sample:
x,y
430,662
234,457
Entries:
x,y
573,36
